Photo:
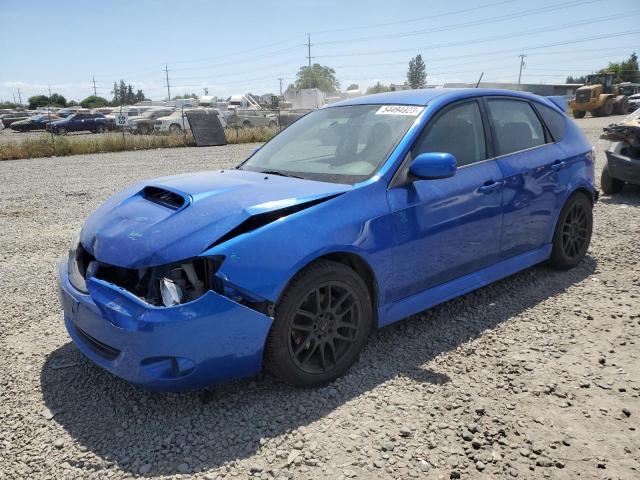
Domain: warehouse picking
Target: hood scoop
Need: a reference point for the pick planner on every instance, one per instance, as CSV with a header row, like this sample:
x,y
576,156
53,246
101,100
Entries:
x,y
164,197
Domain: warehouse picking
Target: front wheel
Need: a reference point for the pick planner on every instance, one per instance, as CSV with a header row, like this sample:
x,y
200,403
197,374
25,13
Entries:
x,y
609,184
99,129
322,323
573,232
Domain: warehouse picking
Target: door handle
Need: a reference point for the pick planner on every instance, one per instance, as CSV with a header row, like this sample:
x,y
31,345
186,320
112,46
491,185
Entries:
x,y
490,186
558,165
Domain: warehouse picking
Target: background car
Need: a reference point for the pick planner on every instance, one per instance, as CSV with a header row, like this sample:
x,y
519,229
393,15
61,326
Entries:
x,y
251,118
37,122
634,102
144,123
9,118
178,121
79,122
356,216
623,156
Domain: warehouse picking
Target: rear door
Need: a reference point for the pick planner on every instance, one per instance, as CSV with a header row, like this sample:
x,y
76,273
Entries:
x,y
447,228
533,167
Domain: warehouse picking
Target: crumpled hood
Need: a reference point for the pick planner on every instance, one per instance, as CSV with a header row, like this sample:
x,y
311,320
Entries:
x,y
136,229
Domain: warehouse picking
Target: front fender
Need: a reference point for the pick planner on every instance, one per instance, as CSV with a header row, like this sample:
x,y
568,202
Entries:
x,y
264,261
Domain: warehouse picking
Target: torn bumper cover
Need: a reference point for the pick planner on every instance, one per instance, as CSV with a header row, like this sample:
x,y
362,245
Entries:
x,y
191,345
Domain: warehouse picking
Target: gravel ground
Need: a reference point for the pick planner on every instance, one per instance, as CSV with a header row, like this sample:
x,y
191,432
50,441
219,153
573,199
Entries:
x,y
536,376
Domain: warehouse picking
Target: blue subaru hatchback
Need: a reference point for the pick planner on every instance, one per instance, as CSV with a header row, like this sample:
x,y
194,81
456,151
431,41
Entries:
x,y
356,216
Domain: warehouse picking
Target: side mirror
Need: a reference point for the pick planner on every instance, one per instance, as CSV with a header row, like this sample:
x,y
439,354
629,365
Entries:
x,y
433,165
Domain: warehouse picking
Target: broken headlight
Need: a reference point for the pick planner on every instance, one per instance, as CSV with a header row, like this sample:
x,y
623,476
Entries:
x,y
77,265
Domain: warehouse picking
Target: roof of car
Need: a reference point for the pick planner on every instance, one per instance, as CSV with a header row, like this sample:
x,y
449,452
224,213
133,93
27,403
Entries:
x,y
424,96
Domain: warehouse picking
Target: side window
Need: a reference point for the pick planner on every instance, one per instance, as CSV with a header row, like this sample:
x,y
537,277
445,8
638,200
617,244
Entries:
x,y
516,125
554,120
458,131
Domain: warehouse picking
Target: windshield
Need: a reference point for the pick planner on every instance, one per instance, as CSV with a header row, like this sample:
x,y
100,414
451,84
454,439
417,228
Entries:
x,y
337,144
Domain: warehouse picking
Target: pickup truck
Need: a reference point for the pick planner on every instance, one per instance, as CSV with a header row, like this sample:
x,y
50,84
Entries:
x,y
79,122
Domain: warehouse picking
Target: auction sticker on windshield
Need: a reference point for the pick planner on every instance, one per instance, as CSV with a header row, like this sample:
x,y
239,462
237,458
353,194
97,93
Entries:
x,y
411,110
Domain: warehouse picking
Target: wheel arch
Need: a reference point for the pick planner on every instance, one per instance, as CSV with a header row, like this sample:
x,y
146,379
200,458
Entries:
x,y
354,261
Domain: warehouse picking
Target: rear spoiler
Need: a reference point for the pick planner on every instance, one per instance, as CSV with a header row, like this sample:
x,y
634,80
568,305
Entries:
x,y
559,101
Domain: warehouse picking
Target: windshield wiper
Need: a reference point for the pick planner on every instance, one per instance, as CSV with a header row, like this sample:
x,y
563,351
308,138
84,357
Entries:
x,y
276,172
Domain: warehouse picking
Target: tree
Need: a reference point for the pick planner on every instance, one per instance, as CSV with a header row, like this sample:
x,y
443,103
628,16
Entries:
x,y
417,73
8,105
581,79
94,102
72,103
55,100
378,88
317,76
186,95
626,71
123,94
353,86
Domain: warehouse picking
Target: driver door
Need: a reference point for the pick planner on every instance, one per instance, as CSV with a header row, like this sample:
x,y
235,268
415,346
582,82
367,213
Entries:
x,y
447,228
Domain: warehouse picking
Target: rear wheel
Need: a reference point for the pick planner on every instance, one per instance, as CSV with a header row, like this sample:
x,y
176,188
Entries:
x,y
609,184
246,124
99,129
272,124
579,113
321,324
174,128
573,232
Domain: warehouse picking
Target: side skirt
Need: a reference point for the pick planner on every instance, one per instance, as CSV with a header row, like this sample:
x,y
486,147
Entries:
x,y
388,314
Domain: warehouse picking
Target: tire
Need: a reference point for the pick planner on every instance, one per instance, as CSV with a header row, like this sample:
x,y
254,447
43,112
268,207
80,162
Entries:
x,y
621,107
313,348
607,108
272,124
609,184
579,113
175,128
99,129
246,124
60,131
573,232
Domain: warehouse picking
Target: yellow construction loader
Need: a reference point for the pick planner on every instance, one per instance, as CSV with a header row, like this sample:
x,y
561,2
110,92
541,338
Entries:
x,y
600,97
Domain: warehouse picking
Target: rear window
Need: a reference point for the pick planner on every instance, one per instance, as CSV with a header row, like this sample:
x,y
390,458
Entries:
x,y
516,126
554,121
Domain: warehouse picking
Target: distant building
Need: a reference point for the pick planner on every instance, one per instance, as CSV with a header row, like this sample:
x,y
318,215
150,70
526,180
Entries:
x,y
543,89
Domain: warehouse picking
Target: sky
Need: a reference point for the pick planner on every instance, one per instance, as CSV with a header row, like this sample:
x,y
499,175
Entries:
x,y
240,47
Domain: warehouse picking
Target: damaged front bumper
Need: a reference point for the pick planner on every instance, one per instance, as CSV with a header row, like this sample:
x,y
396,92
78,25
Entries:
x,y
206,341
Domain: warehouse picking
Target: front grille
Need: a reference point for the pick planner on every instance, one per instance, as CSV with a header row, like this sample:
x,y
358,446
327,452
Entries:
x,y
105,351
583,96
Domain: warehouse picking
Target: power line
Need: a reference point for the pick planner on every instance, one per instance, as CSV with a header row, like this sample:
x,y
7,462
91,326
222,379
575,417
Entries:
x,y
415,19
497,37
472,23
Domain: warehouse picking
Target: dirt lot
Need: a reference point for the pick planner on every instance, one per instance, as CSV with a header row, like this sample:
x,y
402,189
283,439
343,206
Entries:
x,y
536,376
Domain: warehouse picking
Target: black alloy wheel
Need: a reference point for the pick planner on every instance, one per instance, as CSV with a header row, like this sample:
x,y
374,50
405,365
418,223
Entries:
x,y
321,324
573,232
323,328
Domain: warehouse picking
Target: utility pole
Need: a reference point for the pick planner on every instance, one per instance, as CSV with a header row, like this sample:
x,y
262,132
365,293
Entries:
x,y
19,97
14,97
521,65
280,79
95,92
166,71
309,48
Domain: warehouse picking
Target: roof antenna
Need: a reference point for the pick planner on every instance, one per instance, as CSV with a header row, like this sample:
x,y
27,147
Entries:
x,y
479,79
